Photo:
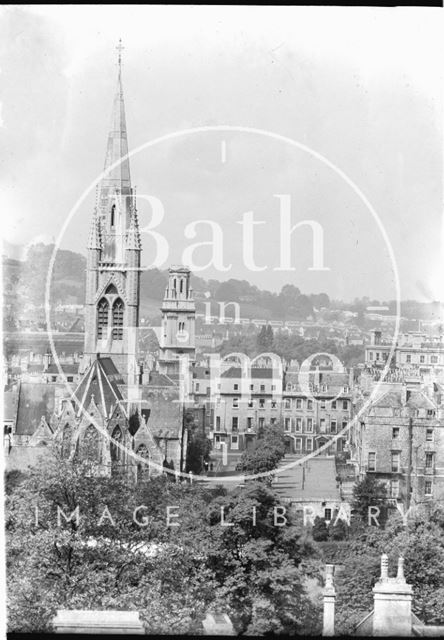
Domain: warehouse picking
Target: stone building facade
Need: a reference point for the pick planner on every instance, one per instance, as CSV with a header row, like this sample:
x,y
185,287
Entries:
x,y
113,257
400,440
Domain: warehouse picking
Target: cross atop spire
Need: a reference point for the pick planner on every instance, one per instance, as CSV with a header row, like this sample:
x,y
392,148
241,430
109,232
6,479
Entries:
x,y
119,49
117,180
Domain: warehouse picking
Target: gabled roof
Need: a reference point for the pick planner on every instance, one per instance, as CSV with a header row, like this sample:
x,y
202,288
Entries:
x,y
36,400
165,416
100,383
394,399
157,379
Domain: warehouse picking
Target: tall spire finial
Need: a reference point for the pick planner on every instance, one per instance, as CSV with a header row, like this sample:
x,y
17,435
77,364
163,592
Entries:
x,y
119,49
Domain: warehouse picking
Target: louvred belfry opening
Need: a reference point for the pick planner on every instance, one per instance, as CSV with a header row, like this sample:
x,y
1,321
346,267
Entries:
x,y
118,320
102,318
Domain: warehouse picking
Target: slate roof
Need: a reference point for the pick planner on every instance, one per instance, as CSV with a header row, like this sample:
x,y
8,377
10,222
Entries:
x,y
255,372
10,404
394,399
36,399
157,379
66,368
165,417
101,381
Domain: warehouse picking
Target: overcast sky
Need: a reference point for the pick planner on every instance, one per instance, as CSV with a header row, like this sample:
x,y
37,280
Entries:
x,y
362,87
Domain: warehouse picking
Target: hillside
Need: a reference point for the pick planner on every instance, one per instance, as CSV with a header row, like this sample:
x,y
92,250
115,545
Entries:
x,y
25,282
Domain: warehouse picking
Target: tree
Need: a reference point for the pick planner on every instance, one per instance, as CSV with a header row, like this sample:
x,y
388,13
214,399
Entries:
x,y
269,449
421,543
260,567
265,338
108,558
367,493
198,451
102,561
319,530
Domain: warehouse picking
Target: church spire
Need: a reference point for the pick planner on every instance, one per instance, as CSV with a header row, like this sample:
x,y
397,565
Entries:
x,y
118,181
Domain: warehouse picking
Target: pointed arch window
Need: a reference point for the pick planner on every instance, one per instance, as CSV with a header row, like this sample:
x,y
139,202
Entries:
x,y
102,318
113,214
118,320
90,444
143,469
116,439
66,441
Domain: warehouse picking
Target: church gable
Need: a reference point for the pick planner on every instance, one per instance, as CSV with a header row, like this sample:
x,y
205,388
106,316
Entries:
x,y
112,288
43,435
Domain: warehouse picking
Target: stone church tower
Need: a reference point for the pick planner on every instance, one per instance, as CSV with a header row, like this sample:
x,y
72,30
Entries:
x,y
177,333
113,257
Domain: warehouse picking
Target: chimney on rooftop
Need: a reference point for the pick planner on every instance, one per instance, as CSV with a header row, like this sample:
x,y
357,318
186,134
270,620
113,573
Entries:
x,y
47,359
392,612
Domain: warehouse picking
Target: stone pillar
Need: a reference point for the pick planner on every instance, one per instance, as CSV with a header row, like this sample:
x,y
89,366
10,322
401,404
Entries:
x,y
392,615
329,595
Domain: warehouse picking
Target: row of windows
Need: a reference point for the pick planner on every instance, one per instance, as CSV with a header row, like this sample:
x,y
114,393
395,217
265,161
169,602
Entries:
x,y
408,357
428,434
394,488
298,403
296,425
288,405
299,445
395,461
300,424
116,317
422,359
248,423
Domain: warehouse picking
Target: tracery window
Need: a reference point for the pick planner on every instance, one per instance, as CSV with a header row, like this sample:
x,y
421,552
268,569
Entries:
x,y
143,470
118,320
102,318
66,441
90,444
116,439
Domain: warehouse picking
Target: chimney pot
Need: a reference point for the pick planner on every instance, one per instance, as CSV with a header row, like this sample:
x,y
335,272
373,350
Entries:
x,y
400,576
384,567
329,596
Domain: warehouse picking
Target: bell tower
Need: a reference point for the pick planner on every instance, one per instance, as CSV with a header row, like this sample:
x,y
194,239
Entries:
x,y
113,255
178,309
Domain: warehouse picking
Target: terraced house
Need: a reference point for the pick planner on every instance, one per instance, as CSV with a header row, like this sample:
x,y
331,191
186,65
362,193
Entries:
x,y
400,440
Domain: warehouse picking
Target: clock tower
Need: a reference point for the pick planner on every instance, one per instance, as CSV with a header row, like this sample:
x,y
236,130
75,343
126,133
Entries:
x,y
177,334
113,256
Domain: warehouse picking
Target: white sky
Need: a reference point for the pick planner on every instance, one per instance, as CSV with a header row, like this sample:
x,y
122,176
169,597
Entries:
x,y
361,86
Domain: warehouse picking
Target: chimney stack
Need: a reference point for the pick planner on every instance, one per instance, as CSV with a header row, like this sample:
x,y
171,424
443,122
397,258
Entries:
x,y
392,613
329,595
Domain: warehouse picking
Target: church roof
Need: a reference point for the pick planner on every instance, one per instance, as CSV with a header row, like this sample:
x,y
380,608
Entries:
x,y
35,400
101,381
